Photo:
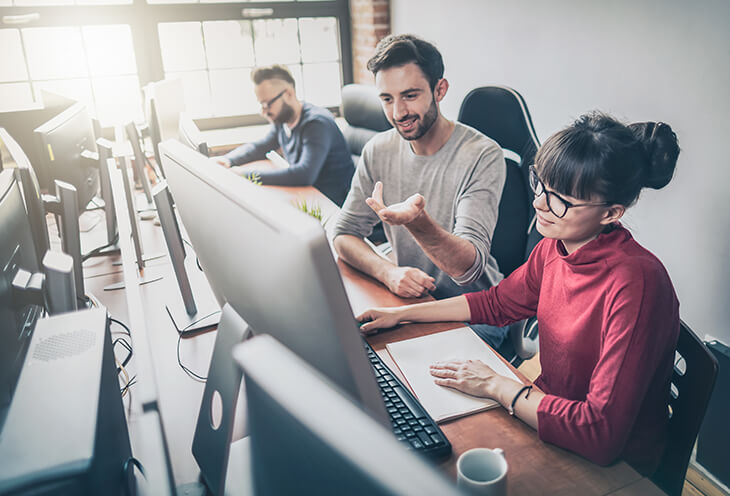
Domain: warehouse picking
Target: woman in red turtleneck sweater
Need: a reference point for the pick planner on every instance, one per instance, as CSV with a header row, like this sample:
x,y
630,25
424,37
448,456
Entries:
x,y
608,314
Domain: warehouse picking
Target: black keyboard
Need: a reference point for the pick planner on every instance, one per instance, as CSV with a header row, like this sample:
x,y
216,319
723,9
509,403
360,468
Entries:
x,y
411,424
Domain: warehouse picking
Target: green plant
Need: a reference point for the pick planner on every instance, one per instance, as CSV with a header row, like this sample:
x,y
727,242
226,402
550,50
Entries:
x,y
314,210
255,178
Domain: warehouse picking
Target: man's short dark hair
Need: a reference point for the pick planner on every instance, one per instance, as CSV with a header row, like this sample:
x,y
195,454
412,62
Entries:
x,y
276,71
397,50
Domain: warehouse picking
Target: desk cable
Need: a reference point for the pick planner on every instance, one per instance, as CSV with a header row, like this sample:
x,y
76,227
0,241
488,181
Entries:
x,y
128,382
190,373
197,260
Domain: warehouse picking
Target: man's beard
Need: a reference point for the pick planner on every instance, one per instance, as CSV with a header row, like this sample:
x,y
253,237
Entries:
x,y
424,124
285,114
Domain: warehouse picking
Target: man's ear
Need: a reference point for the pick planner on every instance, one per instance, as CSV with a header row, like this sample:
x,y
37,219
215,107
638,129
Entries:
x,y
439,91
613,214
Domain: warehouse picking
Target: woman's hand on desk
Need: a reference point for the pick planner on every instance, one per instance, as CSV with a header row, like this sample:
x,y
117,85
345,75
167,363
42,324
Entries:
x,y
468,376
479,379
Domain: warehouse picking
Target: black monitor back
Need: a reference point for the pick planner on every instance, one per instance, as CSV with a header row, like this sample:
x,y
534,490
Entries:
x,y
13,156
61,141
21,123
17,251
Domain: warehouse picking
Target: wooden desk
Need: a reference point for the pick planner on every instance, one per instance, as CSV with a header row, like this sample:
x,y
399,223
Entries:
x,y
535,467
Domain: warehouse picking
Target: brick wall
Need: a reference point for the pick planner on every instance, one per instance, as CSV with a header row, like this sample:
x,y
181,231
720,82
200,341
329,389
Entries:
x,y
370,23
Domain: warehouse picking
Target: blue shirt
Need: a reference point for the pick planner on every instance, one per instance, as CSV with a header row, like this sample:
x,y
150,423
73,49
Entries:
x,y
315,149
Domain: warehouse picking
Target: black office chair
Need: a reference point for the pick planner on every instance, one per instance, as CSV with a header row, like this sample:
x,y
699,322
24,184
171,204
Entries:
x,y
365,118
364,115
501,113
693,379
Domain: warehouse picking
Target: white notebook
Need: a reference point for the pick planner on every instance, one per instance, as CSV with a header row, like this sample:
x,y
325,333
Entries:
x,y
414,356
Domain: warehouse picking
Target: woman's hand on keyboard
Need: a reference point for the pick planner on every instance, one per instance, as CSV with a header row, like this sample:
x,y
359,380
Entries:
x,y
379,318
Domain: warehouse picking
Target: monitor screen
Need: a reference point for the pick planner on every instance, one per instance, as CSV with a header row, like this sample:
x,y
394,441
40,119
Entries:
x,y
62,141
306,437
273,265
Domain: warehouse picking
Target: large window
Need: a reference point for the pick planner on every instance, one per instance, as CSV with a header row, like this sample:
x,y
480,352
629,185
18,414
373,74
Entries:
x,y
103,54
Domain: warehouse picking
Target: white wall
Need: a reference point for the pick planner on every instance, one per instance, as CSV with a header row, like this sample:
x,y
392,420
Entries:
x,y
663,60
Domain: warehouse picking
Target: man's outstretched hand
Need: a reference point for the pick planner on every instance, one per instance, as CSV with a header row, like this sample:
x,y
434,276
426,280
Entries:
x,y
399,213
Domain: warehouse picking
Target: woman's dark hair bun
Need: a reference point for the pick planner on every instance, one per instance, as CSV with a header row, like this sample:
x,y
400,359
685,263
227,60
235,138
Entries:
x,y
661,149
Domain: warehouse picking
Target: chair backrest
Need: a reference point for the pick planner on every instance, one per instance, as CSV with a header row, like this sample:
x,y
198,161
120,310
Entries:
x,y
364,116
693,379
501,113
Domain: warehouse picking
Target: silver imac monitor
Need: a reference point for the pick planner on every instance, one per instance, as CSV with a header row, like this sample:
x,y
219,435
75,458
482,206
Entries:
x,y
190,134
274,266
306,437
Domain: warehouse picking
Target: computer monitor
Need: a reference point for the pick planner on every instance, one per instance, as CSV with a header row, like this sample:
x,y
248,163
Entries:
x,y
68,151
140,161
21,123
191,135
12,156
273,265
164,102
306,437
17,316
105,148
65,431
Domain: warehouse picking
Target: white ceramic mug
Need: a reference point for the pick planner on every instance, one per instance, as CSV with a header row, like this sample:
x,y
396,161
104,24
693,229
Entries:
x,y
482,471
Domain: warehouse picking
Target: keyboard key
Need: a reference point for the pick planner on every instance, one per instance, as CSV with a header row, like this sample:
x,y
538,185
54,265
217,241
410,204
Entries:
x,y
416,443
430,429
412,405
410,434
437,439
425,439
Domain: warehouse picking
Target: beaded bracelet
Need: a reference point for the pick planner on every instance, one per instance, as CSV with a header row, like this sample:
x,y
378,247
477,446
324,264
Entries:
x,y
511,408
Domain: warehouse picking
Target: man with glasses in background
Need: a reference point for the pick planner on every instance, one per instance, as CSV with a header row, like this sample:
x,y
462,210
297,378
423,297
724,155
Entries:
x,y
312,143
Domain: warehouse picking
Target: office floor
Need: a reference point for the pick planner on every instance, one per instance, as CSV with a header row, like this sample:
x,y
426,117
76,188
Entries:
x,y
696,484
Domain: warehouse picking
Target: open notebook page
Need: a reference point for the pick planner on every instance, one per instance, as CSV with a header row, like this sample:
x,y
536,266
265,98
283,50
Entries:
x,y
414,356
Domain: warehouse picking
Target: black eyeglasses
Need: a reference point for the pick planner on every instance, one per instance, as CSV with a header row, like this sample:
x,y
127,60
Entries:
x,y
267,104
556,204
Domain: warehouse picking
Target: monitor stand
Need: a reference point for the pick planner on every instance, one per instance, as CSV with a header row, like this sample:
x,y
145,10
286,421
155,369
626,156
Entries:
x,y
189,313
224,466
136,235
65,204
